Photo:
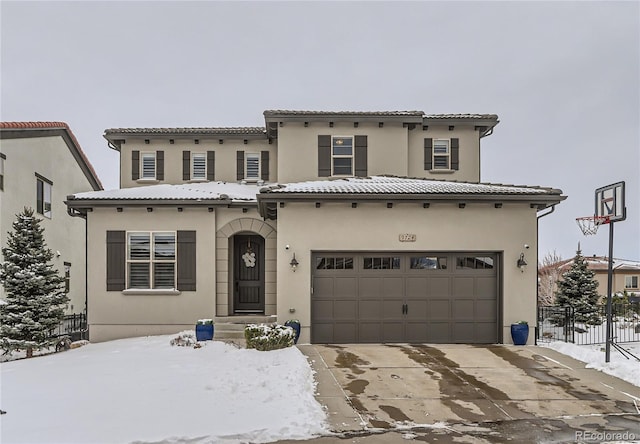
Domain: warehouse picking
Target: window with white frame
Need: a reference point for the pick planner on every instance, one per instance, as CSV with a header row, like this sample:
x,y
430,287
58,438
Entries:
x,y
252,166
631,282
198,166
441,154
43,196
151,260
342,156
148,166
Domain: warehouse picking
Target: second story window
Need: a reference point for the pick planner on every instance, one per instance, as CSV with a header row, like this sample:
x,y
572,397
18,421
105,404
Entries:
x,y
342,156
148,166
2,157
631,282
252,166
198,166
43,196
441,154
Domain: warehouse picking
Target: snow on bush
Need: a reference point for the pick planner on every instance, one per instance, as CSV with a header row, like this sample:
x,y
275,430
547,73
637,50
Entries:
x,y
266,337
185,338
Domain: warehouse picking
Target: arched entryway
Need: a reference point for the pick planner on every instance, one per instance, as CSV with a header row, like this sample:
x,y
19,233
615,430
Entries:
x,y
229,250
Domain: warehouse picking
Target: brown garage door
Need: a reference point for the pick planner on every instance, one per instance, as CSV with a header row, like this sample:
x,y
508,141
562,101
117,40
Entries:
x,y
404,297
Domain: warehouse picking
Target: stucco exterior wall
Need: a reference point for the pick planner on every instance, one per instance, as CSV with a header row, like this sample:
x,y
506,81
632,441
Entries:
x,y
442,227
618,284
51,158
114,315
469,169
225,168
298,148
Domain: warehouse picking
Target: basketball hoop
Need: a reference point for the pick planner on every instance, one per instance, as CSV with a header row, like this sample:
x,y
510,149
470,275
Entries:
x,y
590,224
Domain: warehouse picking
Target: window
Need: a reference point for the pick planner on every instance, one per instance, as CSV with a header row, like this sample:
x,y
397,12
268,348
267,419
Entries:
x,y
198,166
474,263
252,166
43,196
151,260
428,263
67,277
342,156
2,157
334,263
631,282
441,154
381,263
148,166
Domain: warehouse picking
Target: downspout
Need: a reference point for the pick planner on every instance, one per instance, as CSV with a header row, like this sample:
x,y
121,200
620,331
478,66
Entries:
x,y
73,213
553,208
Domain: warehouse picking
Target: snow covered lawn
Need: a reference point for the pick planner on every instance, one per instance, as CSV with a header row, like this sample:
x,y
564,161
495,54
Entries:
x,y
593,356
145,390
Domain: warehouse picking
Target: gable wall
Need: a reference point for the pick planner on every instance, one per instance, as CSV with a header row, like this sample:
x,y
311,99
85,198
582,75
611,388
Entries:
x,y
50,157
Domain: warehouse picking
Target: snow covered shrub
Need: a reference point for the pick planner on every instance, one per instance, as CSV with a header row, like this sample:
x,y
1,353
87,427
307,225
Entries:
x,y
184,339
265,337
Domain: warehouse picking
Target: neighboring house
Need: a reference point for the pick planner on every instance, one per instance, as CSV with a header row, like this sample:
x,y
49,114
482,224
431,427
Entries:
x,y
365,226
625,273
40,164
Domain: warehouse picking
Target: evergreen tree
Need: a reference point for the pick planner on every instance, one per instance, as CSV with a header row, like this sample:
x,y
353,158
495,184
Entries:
x,y
35,295
578,289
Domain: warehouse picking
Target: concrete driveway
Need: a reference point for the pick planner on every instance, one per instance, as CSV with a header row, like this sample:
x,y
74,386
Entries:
x,y
466,393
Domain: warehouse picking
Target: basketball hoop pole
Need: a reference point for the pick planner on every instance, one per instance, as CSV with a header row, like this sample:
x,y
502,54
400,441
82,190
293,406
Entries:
x,y
607,353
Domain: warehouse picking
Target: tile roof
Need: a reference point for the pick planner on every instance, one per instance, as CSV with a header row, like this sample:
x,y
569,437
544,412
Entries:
x,y
346,113
196,130
189,191
62,126
460,116
403,185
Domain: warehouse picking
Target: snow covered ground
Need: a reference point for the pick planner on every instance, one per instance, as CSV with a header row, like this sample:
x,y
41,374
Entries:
x,y
145,390
593,355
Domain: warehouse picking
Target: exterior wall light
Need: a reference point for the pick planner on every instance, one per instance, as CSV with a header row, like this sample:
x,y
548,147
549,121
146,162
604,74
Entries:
x,y
521,262
293,263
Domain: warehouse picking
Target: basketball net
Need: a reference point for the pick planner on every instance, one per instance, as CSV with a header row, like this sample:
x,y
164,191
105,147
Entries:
x,y
590,224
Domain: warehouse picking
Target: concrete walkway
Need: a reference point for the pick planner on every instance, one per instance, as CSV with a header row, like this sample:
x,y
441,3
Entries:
x,y
390,393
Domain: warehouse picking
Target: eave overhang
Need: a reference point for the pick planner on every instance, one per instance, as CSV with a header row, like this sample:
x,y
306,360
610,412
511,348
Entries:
x,y
268,202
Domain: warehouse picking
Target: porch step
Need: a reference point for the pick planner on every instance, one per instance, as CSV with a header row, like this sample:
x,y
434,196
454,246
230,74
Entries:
x,y
232,327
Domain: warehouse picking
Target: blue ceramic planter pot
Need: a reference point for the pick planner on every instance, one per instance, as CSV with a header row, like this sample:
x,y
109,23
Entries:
x,y
204,332
296,328
519,334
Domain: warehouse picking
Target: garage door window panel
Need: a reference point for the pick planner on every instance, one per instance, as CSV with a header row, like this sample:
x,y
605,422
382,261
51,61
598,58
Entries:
x,y
334,263
381,263
428,263
474,263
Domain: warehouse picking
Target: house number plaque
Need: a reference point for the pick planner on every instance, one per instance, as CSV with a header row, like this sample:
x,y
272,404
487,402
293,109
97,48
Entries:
x,y
407,237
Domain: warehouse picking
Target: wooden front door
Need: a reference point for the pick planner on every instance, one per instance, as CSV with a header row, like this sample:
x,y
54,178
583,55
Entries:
x,y
248,271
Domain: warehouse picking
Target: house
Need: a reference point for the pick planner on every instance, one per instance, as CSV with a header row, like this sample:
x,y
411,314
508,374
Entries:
x,y
365,226
625,274
40,164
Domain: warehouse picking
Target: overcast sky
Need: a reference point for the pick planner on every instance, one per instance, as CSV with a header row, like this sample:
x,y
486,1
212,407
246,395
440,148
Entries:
x,y
563,78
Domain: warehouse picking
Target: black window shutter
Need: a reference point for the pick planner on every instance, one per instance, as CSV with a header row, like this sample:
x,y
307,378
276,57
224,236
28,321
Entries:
x,y
324,156
160,165
116,259
455,154
135,165
428,154
240,165
361,156
264,165
186,261
186,165
211,165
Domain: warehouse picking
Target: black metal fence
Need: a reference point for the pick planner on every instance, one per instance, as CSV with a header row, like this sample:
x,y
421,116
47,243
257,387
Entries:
x,y
74,326
560,324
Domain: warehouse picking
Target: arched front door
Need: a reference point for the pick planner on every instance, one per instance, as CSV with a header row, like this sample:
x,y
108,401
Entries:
x,y
248,274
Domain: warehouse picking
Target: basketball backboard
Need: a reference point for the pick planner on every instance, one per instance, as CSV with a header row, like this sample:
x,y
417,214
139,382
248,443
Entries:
x,y
610,202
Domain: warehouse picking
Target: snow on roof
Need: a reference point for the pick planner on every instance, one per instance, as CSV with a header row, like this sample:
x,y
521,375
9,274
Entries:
x,y
402,185
189,191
